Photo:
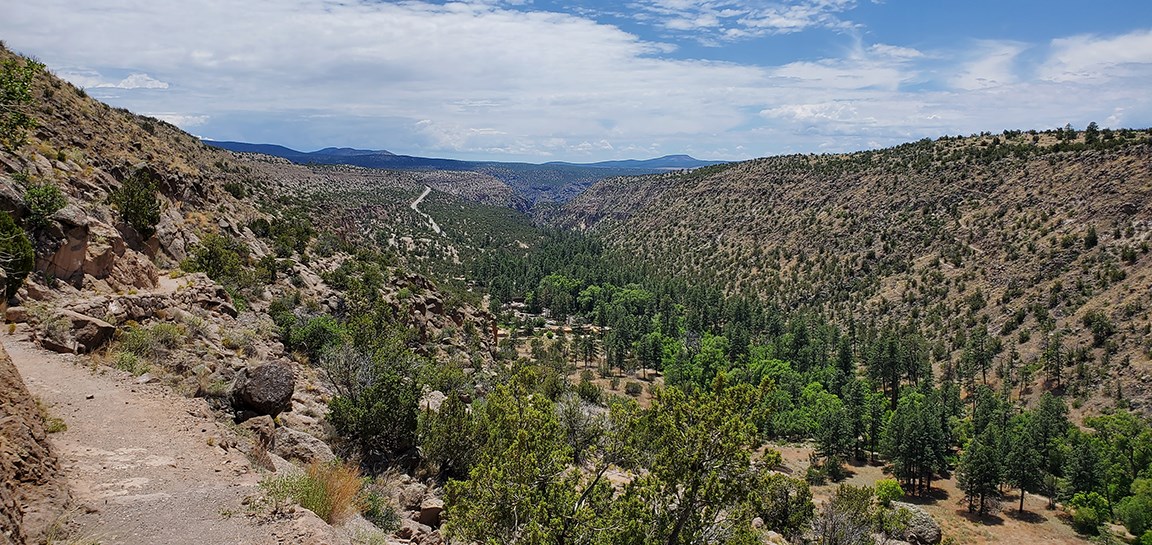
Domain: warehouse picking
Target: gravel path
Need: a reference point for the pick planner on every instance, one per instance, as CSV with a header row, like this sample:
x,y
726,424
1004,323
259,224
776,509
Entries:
x,y
145,465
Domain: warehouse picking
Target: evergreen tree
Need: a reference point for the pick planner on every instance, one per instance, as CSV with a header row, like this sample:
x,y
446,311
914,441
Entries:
x,y
1022,462
980,470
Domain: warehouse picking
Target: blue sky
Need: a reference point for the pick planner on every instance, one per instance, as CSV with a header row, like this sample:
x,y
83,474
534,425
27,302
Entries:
x,y
592,80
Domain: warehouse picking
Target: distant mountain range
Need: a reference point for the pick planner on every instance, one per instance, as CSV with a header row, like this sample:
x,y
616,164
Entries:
x,y
548,182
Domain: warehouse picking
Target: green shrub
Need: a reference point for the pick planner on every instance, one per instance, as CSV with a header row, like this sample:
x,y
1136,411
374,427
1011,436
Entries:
x,y
633,388
16,77
589,391
380,511
222,258
130,363
236,189
1090,511
16,256
316,335
888,491
169,335
137,202
377,398
43,200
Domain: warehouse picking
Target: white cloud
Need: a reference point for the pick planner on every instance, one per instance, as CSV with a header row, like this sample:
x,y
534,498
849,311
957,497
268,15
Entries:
x,y
992,66
727,20
479,79
183,121
1088,58
90,79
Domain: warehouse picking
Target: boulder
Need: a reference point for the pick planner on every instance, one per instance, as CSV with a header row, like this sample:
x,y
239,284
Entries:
x,y
265,389
411,497
296,445
432,401
430,510
83,333
17,315
922,528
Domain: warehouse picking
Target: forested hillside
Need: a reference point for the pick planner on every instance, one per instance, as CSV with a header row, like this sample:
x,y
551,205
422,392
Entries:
x,y
1035,240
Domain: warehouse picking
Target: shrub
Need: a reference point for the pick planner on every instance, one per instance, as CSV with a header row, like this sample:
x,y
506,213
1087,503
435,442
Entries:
x,y
43,200
1089,512
316,335
16,255
589,391
887,491
137,202
633,388
236,189
380,511
169,335
221,258
130,363
16,77
376,401
333,491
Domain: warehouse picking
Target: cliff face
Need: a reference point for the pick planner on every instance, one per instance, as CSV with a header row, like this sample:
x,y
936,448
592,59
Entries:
x,y
33,492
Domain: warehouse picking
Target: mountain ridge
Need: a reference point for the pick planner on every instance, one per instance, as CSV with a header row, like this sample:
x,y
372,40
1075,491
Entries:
x,y
534,183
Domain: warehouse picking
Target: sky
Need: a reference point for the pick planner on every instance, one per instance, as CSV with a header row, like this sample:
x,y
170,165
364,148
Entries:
x,y
590,80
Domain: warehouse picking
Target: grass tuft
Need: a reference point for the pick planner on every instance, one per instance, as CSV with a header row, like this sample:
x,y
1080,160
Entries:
x,y
333,491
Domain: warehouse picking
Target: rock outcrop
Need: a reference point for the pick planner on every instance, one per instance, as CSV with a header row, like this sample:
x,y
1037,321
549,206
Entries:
x,y
32,492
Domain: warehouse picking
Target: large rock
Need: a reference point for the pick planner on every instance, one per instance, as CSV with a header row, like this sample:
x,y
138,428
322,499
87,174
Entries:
x,y
32,490
266,389
69,331
922,528
430,510
297,445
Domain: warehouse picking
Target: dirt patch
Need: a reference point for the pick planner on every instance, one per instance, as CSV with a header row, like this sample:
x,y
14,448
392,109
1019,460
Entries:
x,y
946,505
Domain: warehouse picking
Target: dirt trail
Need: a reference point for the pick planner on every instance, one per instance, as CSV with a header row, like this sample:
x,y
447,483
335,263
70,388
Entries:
x,y
417,202
143,461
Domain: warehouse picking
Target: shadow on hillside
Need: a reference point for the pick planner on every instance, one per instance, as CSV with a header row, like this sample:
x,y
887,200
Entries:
x,y
987,520
1027,516
934,495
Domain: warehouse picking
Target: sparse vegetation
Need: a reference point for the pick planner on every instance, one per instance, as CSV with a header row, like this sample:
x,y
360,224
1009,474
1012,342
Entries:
x,y
17,76
333,491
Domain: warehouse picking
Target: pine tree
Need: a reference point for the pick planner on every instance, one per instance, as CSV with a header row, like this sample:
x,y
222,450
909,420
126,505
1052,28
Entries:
x,y
1023,464
980,470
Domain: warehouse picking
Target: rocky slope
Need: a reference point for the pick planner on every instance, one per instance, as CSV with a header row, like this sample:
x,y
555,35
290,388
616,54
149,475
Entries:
x,y
33,492
102,288
1019,234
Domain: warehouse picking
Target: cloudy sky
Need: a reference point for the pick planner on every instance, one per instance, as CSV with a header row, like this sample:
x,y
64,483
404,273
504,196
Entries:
x,y
590,80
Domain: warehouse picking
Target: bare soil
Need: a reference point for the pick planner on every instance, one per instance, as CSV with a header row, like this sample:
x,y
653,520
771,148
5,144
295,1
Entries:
x,y
946,504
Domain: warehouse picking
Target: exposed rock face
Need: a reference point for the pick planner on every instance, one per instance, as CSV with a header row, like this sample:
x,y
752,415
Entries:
x,y
266,389
922,529
32,492
89,248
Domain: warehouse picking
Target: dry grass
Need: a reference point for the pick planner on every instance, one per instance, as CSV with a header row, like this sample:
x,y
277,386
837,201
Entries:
x,y
333,491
